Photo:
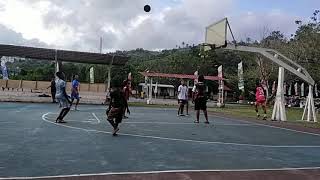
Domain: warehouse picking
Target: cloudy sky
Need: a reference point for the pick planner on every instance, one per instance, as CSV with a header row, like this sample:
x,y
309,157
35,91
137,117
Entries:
x,y
78,24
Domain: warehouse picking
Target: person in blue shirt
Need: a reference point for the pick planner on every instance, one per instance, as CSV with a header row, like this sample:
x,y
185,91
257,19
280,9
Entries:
x,y
75,91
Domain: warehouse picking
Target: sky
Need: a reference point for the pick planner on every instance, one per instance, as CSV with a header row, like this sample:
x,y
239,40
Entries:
x,y
123,25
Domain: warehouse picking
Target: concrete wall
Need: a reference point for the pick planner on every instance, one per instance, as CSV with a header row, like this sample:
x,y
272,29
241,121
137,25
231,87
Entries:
x,y
43,85
29,84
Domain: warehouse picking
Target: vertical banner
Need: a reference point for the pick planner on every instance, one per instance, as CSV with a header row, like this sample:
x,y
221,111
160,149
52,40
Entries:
x,y
129,76
220,75
129,81
316,89
146,82
4,70
274,87
240,77
290,89
296,93
221,85
196,79
155,90
91,75
150,89
145,87
302,90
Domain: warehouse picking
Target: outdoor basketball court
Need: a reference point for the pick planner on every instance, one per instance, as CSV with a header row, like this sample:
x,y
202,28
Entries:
x,y
152,139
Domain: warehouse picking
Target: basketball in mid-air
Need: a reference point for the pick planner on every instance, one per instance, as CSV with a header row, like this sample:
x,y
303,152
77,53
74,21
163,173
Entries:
x,y
147,8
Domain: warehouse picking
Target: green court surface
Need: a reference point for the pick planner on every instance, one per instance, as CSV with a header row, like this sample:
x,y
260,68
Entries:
x,y
152,139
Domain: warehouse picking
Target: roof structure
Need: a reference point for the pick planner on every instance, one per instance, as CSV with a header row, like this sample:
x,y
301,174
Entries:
x,y
178,76
159,85
62,55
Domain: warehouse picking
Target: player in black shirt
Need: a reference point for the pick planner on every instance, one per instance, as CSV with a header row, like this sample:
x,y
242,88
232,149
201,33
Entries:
x,y
199,99
118,104
53,90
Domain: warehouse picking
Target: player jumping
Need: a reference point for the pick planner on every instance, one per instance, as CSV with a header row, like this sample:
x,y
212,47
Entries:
x,y
118,104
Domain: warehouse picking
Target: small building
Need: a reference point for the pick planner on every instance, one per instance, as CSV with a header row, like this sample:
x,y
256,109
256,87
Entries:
x,y
166,91
163,90
169,90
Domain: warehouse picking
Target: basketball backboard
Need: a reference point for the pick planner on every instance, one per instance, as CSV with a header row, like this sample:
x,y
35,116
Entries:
x,y
216,35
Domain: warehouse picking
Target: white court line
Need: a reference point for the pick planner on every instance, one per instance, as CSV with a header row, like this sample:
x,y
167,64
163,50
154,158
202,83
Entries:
x,y
165,171
271,126
173,123
94,115
184,140
59,124
249,123
7,122
86,121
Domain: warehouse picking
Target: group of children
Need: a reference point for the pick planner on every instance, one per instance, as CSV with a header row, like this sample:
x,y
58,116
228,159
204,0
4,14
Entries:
x,y
200,100
118,105
119,96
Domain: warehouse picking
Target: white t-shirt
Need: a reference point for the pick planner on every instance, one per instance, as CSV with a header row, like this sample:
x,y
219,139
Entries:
x,y
194,88
183,92
60,86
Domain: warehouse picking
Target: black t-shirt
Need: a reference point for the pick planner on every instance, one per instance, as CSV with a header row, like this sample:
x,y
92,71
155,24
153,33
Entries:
x,y
53,86
200,89
118,99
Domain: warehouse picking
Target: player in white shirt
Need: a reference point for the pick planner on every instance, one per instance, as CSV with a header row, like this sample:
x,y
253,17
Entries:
x,y
182,97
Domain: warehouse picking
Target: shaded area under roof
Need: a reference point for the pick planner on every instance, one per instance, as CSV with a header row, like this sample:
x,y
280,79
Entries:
x,y
182,76
178,76
62,55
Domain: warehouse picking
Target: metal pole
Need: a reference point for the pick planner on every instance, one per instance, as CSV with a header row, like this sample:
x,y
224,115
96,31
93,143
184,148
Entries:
x,y
279,112
109,73
56,61
100,45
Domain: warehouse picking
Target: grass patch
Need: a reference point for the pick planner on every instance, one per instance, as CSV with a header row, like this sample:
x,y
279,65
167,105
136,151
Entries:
x,y
243,111
293,114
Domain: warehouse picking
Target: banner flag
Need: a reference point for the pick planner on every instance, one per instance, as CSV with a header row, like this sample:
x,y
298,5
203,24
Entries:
x,y
240,76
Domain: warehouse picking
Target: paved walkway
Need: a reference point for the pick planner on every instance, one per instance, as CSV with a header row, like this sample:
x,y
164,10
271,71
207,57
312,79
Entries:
x,y
152,139
86,98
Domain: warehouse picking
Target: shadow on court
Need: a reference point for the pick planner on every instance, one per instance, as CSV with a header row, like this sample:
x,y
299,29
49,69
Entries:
x,y
152,139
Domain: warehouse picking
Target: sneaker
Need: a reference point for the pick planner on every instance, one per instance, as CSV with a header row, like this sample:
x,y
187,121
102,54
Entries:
x,y
258,116
115,132
264,117
206,122
182,115
62,121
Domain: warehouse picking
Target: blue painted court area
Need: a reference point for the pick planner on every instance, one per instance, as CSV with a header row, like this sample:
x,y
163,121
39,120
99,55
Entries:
x,y
152,139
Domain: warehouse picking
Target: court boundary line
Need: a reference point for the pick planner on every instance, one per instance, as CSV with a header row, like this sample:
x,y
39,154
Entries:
x,y
160,172
94,115
181,140
215,124
266,125
242,120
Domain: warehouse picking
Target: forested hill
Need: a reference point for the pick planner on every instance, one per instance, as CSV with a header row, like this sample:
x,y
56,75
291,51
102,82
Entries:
x,y
303,47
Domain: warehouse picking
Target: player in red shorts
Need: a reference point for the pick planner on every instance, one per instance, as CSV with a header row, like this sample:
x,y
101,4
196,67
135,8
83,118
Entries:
x,y
260,100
